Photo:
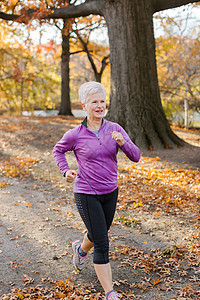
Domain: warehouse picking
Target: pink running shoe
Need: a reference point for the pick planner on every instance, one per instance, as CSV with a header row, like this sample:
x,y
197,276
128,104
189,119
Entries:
x,y
113,296
78,260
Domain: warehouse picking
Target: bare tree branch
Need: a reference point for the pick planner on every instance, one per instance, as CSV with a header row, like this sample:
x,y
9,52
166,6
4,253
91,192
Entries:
x,y
15,5
58,27
8,17
76,52
74,2
82,10
94,7
104,63
159,5
47,5
87,51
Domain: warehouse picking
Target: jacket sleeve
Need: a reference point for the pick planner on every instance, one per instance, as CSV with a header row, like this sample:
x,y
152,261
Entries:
x,y
67,143
129,148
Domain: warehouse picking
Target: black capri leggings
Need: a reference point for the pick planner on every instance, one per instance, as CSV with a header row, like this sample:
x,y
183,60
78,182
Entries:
x,y
97,212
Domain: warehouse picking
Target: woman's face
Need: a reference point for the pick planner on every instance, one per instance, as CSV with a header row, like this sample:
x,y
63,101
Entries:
x,y
95,107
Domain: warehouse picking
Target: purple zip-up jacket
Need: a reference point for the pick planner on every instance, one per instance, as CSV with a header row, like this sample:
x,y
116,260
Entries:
x,y
96,156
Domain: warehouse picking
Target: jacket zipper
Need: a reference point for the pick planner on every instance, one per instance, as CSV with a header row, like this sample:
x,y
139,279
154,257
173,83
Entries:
x,y
98,139
95,135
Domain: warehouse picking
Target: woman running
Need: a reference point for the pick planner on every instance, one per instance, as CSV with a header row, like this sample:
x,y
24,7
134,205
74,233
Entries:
x,y
95,143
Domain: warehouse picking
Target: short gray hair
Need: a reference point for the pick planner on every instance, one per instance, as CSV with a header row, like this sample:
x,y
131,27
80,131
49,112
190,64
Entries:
x,y
90,88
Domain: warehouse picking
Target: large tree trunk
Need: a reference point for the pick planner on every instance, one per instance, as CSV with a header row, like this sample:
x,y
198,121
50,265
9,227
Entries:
x,y
135,97
65,107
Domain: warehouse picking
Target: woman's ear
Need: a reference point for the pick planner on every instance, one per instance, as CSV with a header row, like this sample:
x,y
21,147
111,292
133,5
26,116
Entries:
x,y
83,106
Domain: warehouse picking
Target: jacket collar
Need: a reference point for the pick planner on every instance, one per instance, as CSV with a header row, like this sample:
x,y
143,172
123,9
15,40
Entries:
x,y
84,123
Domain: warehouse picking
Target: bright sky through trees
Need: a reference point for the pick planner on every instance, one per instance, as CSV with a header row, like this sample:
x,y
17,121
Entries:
x,y
188,13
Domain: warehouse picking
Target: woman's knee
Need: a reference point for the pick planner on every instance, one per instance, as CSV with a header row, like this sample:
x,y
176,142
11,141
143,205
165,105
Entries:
x,y
101,251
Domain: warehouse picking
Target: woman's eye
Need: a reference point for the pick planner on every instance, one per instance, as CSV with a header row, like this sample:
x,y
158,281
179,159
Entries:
x,y
96,101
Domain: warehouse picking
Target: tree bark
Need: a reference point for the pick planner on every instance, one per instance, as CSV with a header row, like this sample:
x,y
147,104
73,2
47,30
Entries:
x,y
65,106
135,98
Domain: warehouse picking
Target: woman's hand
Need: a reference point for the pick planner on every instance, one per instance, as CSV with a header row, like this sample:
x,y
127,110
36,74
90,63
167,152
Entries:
x,y
70,175
118,137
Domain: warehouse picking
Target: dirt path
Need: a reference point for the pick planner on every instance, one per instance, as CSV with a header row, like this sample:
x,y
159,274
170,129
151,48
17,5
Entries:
x,y
38,221
37,233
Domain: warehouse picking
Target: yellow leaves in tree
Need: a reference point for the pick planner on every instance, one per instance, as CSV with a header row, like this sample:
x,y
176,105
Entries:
x,y
8,5
178,68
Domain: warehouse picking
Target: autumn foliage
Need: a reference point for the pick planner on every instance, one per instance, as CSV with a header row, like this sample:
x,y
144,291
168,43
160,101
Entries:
x,y
156,196
164,189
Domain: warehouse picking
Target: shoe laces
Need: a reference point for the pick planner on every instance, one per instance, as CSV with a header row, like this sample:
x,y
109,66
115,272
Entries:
x,y
81,258
113,296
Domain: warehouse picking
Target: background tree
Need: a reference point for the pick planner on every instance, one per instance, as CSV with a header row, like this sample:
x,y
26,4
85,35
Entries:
x,y
72,30
179,65
81,70
30,70
65,27
97,54
135,97
40,9
28,74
